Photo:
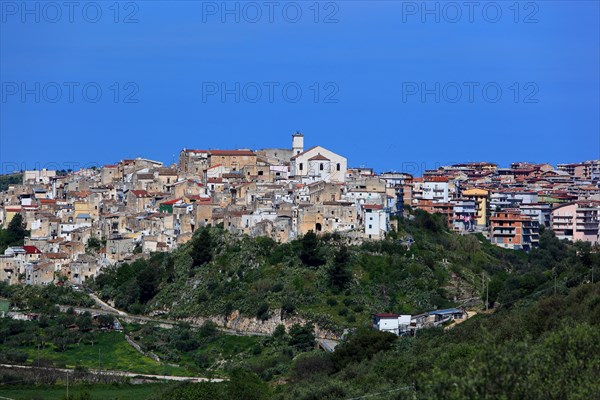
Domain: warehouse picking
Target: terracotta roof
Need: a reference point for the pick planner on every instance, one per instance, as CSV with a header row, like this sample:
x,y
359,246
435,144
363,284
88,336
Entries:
x,y
168,202
436,179
372,206
167,171
140,193
55,256
318,157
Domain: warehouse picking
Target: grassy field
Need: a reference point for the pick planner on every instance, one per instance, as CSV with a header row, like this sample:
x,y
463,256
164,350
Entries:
x,y
111,352
96,392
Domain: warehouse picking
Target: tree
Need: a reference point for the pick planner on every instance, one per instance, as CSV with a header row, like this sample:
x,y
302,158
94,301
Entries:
x,y
16,229
14,234
302,337
339,273
309,253
93,244
361,345
201,248
84,322
246,385
106,321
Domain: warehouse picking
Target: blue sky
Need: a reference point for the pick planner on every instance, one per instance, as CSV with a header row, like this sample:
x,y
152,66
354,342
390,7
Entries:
x,y
385,83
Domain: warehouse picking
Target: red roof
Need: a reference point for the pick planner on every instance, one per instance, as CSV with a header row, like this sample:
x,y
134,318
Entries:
x,y
373,206
436,179
386,315
168,202
31,250
319,157
140,193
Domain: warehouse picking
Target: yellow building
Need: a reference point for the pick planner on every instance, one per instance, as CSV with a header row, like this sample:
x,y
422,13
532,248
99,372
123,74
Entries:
x,y
83,207
10,212
482,204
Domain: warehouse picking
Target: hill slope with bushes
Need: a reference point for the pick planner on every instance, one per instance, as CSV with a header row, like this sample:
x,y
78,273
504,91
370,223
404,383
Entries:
x,y
420,266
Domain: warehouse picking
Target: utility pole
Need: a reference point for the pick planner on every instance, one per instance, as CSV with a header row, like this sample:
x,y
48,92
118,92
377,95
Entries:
x,y
67,384
483,287
487,295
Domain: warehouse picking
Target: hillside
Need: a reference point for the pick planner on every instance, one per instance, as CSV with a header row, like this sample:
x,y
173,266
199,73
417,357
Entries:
x,y
335,285
539,341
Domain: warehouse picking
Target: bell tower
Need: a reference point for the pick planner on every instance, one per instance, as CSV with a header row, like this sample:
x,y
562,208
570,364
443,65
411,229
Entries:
x,y
297,143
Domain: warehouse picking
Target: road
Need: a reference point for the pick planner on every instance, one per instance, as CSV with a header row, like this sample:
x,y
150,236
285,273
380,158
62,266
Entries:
x,y
105,306
126,374
163,323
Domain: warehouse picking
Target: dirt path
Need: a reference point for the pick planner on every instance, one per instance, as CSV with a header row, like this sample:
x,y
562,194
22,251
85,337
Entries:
x,y
126,374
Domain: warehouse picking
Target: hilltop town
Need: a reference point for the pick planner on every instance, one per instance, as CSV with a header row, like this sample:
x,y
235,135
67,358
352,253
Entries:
x,y
83,221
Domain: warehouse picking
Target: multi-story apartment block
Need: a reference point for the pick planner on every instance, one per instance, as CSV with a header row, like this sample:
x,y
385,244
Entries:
x,y
541,212
482,204
577,221
513,230
435,188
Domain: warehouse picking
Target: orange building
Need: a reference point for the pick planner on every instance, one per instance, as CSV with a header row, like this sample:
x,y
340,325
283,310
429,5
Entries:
x,y
513,230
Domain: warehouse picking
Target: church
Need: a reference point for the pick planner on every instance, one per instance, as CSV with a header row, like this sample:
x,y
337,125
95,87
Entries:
x,y
316,163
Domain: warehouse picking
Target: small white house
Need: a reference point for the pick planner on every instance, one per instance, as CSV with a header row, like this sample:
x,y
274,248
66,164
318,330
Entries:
x,y
376,221
393,323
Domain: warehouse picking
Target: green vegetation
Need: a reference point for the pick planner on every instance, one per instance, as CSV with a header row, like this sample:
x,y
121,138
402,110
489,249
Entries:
x,y
70,340
82,392
541,340
9,180
334,285
14,234
537,349
44,299
545,349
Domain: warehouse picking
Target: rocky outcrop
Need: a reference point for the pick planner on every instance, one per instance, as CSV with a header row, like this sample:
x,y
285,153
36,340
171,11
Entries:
x,y
254,326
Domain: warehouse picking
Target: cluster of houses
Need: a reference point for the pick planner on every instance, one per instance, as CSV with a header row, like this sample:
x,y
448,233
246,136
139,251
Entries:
x,y
509,205
408,325
83,221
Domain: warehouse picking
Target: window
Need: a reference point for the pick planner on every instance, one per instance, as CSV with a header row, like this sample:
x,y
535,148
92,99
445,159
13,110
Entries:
x,y
260,173
300,167
338,167
321,167
370,226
